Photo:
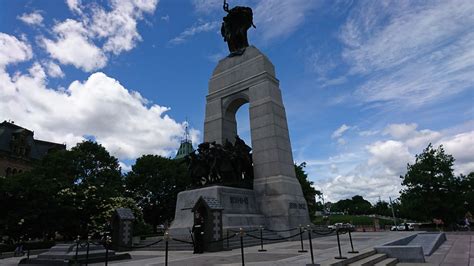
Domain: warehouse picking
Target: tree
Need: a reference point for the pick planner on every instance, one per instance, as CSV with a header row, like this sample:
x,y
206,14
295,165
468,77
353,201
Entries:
x,y
356,205
309,192
66,192
382,208
430,188
154,183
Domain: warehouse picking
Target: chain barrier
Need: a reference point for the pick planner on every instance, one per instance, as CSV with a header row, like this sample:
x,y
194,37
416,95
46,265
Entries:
x,y
275,239
238,231
278,231
182,241
323,233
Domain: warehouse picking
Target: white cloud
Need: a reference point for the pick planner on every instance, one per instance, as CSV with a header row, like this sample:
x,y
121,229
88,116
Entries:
x,y
392,155
376,171
415,139
461,146
13,50
74,47
87,41
74,6
34,18
338,132
412,52
278,19
207,6
191,31
54,70
120,119
119,26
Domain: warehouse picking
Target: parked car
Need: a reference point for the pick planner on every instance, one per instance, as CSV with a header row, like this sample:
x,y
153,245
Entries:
x,y
342,225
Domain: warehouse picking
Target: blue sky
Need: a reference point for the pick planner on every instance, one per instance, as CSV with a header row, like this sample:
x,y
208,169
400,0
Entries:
x,y
366,84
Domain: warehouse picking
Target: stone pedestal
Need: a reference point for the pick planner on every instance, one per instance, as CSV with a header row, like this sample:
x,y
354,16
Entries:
x,y
250,78
239,208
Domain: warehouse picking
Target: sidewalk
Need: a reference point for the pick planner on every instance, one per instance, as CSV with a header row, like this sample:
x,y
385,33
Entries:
x,y
457,250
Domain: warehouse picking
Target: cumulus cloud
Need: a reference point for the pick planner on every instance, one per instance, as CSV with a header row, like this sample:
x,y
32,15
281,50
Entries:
x,y
416,139
191,31
376,171
74,47
74,5
34,18
54,70
13,50
119,26
121,120
461,146
86,42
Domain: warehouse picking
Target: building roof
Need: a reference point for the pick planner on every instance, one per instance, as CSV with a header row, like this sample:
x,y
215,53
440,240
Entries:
x,y
185,149
37,148
124,214
211,203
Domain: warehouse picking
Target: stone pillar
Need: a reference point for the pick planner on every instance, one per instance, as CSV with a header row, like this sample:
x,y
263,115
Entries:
x,y
251,78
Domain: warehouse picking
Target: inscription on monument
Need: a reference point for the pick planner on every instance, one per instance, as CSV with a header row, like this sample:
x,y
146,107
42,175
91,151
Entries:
x,y
239,200
294,205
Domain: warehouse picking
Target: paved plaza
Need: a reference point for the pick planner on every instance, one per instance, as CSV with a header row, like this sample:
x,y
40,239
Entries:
x,y
457,250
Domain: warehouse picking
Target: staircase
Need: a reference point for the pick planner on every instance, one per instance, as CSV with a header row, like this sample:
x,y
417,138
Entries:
x,y
369,258
234,242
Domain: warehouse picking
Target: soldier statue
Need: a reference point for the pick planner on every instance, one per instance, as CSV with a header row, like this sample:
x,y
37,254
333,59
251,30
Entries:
x,y
234,28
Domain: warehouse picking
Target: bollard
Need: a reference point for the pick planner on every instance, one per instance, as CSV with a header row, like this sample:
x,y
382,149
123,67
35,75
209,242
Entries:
x,y
166,237
77,247
227,232
301,240
107,242
242,233
28,253
310,244
340,257
352,246
261,240
87,250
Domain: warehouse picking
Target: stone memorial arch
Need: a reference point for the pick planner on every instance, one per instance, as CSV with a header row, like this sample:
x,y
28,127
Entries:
x,y
250,78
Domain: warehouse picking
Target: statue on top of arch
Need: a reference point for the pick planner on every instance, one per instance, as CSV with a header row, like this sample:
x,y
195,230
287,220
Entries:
x,y
234,28
228,164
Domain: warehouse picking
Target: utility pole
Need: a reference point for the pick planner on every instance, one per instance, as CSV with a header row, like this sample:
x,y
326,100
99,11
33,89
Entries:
x,y
393,212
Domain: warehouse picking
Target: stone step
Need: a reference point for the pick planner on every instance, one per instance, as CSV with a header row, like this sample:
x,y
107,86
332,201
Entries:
x,y
387,262
362,255
415,264
371,260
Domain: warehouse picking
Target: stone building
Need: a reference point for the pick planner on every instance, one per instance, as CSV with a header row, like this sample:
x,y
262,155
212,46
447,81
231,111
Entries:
x,y
19,150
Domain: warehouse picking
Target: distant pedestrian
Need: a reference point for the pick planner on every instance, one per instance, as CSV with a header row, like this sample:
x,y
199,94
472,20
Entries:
x,y
19,249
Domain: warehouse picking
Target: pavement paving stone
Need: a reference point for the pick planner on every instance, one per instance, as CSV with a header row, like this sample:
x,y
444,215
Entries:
x,y
457,250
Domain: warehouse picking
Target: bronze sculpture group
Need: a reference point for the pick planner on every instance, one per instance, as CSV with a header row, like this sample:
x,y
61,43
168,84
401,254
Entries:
x,y
228,164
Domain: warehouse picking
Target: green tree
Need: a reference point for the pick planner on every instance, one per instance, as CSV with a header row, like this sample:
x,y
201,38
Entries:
x,y
430,188
309,192
154,183
65,192
382,208
355,205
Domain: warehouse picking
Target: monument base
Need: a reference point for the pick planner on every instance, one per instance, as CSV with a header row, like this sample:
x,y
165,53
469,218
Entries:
x,y
240,209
